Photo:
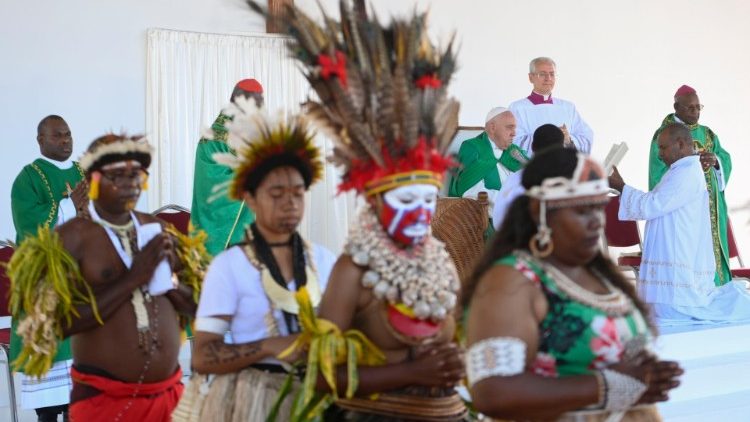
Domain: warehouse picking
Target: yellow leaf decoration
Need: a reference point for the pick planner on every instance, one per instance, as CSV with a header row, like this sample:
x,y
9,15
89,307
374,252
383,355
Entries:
x,y
46,287
327,348
194,258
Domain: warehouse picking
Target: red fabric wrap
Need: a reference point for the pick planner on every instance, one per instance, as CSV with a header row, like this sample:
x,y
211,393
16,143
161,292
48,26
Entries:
x,y
152,401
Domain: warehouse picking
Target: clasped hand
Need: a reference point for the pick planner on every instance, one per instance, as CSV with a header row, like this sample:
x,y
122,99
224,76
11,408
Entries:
x,y
659,376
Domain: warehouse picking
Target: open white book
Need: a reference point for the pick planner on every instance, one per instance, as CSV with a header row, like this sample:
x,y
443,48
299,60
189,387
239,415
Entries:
x,y
614,156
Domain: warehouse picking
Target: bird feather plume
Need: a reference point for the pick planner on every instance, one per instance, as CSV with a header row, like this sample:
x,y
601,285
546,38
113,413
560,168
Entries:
x,y
388,97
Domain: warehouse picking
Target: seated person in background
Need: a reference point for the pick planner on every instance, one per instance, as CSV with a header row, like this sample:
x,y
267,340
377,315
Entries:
x,y
554,331
545,136
677,274
247,313
488,159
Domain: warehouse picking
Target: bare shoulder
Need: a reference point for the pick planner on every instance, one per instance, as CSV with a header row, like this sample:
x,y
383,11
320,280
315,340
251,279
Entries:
x,y
77,233
343,295
345,278
506,303
504,281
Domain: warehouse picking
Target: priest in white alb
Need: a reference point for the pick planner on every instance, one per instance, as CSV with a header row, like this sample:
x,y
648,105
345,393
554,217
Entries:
x,y
676,276
541,108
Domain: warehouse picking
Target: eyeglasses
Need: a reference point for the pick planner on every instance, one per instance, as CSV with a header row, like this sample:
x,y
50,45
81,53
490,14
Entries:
x,y
698,107
545,75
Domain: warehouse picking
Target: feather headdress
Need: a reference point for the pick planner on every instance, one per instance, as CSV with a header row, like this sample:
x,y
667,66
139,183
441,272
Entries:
x,y
261,143
381,95
111,148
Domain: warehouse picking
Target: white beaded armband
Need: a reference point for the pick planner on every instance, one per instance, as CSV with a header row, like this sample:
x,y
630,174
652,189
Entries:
x,y
621,391
212,325
496,356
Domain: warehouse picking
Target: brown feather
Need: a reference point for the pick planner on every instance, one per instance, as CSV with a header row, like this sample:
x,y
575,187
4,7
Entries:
x,y
406,114
363,142
356,89
386,111
326,122
446,122
303,34
363,59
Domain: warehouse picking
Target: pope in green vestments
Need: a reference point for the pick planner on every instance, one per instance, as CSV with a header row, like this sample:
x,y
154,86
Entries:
x,y
222,218
487,159
717,166
478,163
37,194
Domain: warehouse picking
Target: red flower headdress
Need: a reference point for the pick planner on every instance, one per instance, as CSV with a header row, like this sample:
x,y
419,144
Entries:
x,y
381,95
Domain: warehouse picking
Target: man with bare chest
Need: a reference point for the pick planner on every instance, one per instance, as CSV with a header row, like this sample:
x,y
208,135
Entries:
x,y
125,334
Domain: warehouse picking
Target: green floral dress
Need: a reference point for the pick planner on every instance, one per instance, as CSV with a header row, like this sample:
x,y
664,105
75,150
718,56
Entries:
x,y
582,331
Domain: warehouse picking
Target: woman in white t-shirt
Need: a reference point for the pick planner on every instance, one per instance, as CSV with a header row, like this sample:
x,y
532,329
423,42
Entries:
x,y
247,312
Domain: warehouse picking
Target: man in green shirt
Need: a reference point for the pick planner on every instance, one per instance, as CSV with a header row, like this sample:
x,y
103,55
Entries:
x,y
717,166
46,193
489,158
221,217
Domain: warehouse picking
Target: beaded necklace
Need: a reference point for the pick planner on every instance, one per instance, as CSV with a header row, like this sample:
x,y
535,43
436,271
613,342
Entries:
x,y
615,302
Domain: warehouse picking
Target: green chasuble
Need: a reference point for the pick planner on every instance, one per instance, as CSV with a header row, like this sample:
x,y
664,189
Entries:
x,y
34,200
223,218
705,140
478,163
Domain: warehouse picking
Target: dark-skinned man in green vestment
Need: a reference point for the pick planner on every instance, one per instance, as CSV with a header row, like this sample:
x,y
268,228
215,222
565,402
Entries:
x,y
48,192
221,217
717,166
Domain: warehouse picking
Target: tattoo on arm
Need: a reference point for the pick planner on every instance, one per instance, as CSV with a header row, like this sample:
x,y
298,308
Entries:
x,y
219,353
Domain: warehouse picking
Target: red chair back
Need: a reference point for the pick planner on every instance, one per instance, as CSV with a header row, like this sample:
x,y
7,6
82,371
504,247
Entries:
x,y
5,253
620,234
175,215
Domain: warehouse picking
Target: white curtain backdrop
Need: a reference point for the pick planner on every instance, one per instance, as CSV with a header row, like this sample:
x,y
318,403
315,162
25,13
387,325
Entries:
x,y
189,79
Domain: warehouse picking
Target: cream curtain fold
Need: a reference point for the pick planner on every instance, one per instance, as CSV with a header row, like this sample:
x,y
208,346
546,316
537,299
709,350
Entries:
x,y
189,79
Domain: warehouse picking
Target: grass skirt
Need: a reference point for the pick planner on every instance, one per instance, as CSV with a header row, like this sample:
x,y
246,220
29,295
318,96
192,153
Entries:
x,y
245,396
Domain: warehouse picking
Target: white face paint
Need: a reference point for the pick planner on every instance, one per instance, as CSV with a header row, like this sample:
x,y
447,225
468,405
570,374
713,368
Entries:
x,y
407,212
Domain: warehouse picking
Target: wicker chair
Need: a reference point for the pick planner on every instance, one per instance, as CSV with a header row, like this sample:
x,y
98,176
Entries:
x,y
461,223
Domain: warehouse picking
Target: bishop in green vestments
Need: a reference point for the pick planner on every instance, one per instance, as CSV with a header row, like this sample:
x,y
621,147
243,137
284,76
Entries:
x,y
221,217
46,193
717,166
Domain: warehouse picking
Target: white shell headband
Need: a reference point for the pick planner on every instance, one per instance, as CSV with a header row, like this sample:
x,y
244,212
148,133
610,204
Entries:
x,y
124,148
588,179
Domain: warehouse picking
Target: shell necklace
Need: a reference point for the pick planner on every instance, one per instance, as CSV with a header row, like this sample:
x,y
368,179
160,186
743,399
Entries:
x,y
422,277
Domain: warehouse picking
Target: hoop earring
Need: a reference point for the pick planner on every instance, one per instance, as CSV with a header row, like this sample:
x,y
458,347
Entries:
x,y
540,247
